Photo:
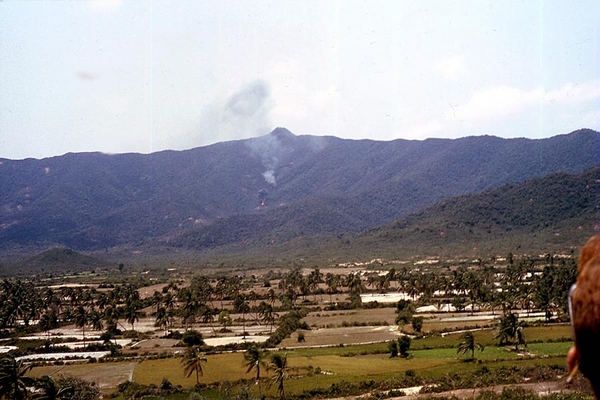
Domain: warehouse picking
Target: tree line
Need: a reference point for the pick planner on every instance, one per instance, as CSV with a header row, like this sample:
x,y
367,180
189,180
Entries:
x,y
525,284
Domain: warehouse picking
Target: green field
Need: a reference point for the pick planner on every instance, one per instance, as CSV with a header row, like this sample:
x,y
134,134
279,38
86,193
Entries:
x,y
431,358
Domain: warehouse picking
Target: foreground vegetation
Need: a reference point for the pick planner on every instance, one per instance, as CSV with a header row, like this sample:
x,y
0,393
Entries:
x,y
506,349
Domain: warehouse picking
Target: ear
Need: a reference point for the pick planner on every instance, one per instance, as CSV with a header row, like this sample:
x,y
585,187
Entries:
x,y
572,358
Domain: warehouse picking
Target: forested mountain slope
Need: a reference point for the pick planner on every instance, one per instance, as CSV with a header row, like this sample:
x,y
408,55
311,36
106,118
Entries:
x,y
307,184
556,213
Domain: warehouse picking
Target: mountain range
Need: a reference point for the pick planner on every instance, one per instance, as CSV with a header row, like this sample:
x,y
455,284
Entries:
x,y
278,190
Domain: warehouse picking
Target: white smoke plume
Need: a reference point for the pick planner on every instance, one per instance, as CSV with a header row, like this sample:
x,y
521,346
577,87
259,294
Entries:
x,y
245,114
269,177
270,150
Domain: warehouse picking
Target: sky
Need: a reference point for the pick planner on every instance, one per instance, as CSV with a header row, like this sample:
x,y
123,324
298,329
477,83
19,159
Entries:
x,y
147,75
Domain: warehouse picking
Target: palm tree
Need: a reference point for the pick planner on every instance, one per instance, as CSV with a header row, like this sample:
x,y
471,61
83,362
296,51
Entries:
x,y
192,363
510,328
132,313
383,284
544,299
169,301
254,360
372,280
459,281
224,320
19,302
81,320
207,315
96,318
354,283
233,286
469,344
130,293
102,301
272,296
391,275
266,314
111,316
164,318
240,305
190,306
252,299
13,382
332,282
48,320
157,299
475,282
412,286
221,289
280,368
314,279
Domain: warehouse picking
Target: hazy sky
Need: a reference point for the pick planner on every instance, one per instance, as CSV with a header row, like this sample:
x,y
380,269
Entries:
x,y
142,76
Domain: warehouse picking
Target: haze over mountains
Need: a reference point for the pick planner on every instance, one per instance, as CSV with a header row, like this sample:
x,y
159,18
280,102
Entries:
x,y
272,189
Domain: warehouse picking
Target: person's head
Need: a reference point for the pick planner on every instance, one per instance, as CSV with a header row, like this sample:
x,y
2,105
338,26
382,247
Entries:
x,y
585,315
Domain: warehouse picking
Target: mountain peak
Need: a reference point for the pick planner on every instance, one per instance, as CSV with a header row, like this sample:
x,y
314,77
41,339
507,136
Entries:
x,y
281,133
62,259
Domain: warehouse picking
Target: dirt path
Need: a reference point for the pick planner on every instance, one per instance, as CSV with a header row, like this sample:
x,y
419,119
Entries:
x,y
538,387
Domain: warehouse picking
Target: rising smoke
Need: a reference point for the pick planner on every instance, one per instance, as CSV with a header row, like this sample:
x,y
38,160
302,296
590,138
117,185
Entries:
x,y
270,150
269,176
245,114
249,102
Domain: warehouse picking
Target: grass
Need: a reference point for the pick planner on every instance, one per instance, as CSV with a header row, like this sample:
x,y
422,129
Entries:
x,y
549,349
112,373
545,333
489,354
469,368
487,336
218,368
347,350
379,369
432,358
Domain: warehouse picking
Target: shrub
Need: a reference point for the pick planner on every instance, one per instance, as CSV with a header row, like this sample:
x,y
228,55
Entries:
x,y
403,345
174,335
192,338
130,334
417,323
403,317
166,385
83,389
288,324
393,348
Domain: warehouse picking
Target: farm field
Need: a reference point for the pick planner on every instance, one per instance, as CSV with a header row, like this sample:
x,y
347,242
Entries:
x,y
431,357
353,364
106,375
329,343
336,355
